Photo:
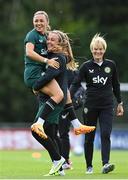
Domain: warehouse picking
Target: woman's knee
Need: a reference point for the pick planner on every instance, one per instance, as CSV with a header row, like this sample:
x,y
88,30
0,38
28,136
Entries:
x,y
57,94
105,135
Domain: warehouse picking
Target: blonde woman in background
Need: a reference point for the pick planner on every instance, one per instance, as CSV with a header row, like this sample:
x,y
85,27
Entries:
x,y
102,82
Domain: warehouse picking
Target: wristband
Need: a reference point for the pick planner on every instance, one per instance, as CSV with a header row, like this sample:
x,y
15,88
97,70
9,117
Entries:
x,y
45,60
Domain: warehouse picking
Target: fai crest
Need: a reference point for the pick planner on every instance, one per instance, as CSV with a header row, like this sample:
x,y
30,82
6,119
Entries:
x,y
107,69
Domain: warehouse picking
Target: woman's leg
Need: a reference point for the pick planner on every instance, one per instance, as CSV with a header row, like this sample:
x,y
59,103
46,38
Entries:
x,y
90,118
70,112
51,146
64,129
53,90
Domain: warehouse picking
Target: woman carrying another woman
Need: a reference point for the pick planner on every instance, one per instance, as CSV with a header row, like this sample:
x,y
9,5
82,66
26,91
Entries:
x,y
36,61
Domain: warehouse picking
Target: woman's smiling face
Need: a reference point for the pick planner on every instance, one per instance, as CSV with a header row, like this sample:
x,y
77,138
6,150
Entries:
x,y
40,23
98,51
52,40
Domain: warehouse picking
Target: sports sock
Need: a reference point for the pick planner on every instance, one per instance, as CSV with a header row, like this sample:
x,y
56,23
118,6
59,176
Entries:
x,y
69,109
76,123
40,121
48,108
72,115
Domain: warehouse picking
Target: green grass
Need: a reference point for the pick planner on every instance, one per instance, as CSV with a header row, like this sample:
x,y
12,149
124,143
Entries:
x,y
21,165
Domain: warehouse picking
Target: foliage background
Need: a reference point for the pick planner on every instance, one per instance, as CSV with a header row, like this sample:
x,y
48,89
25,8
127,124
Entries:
x,y
81,19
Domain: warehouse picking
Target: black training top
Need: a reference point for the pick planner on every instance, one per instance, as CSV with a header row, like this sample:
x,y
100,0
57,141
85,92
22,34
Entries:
x,y
60,75
101,82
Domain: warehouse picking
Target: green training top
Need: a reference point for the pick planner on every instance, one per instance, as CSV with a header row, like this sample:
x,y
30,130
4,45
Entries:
x,y
34,68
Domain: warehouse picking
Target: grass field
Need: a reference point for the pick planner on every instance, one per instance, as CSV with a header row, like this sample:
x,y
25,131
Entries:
x,y
22,165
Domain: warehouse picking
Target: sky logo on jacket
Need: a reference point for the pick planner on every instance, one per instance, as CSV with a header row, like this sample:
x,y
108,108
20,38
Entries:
x,y
98,79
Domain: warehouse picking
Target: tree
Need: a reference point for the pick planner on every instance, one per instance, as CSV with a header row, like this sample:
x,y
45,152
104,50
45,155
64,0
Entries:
x,y
81,19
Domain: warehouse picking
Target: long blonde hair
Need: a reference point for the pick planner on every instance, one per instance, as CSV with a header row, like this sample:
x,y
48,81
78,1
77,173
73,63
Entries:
x,y
65,48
